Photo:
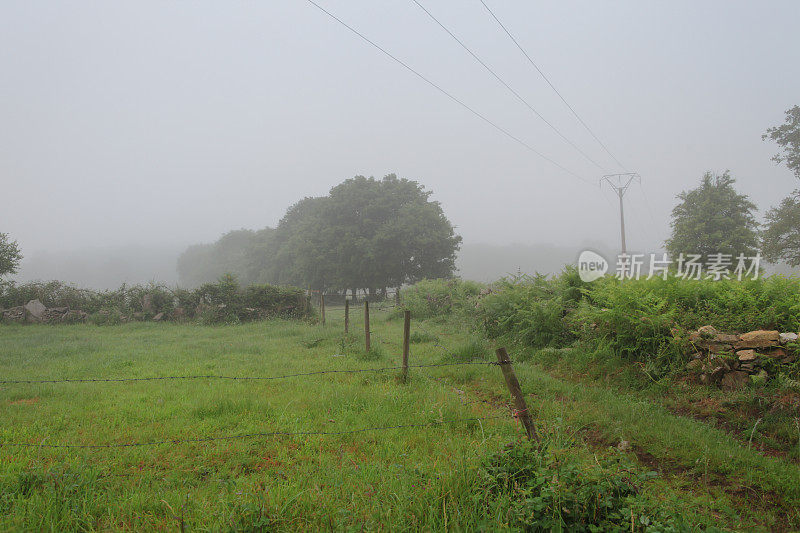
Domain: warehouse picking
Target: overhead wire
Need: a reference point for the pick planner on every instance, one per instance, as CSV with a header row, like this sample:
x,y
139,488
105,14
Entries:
x,y
552,86
507,86
448,94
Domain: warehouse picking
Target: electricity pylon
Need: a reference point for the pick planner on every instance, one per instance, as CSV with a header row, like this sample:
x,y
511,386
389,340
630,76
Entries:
x,y
620,184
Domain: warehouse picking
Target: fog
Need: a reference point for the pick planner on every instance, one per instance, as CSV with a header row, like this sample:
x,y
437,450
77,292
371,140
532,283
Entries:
x,y
132,130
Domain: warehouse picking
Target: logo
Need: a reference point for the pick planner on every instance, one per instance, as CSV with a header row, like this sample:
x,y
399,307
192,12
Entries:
x,y
591,266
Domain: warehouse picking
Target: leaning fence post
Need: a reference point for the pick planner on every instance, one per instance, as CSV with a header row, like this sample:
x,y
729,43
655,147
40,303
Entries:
x,y
406,342
366,324
322,306
346,315
520,406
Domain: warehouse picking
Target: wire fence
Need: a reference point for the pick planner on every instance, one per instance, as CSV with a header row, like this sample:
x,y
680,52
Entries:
x,y
4,443
243,378
251,435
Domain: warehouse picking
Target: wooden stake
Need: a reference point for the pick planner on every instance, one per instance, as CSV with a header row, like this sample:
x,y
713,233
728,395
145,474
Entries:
x,y
406,342
346,316
322,306
366,324
520,406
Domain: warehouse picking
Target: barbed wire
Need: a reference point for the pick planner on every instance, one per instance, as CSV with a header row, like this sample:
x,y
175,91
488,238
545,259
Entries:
x,y
243,378
249,435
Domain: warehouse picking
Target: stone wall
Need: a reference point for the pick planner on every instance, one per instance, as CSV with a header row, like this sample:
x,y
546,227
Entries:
x,y
734,360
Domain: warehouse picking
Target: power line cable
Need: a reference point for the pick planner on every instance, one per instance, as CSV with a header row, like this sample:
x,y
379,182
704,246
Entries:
x,y
646,203
449,95
507,86
531,61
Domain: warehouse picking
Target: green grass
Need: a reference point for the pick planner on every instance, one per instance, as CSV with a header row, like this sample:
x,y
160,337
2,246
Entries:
x,y
425,478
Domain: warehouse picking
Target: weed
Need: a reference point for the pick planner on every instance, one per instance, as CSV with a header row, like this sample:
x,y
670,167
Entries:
x,y
419,337
474,348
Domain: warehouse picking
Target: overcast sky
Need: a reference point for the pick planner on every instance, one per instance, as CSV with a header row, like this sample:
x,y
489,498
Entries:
x,y
170,123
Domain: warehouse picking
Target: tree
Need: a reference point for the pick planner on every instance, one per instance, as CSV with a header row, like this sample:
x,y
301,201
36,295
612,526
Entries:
x,y
240,252
298,246
10,255
713,218
781,236
366,234
393,233
787,136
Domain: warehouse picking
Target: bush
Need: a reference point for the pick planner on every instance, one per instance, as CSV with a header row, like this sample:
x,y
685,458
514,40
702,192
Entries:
x,y
160,299
225,301
550,489
440,297
106,317
51,294
642,320
532,308
287,302
632,320
126,299
221,302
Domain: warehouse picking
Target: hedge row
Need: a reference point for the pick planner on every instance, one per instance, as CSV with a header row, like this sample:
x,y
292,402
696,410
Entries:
x,y
223,301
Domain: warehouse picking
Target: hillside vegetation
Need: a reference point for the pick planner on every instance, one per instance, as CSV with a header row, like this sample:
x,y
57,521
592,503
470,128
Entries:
x,y
458,461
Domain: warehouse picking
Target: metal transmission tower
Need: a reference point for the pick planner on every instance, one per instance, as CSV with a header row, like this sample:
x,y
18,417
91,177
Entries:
x,y
620,184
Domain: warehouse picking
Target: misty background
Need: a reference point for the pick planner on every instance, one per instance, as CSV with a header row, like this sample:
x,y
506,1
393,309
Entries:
x,y
131,131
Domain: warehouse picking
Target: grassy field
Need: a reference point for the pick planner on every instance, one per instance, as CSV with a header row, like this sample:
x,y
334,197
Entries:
x,y
429,477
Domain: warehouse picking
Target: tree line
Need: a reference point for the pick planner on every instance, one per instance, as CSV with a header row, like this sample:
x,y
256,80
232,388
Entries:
x,y
367,234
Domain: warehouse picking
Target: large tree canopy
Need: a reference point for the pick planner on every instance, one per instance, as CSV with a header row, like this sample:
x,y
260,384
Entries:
x,y
365,234
713,218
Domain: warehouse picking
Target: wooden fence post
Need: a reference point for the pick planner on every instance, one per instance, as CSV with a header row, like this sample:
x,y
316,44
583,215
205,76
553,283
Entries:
x,y
366,324
346,316
322,306
406,342
520,406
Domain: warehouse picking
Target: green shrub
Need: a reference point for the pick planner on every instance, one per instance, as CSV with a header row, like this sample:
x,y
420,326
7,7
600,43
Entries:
x,y
550,489
51,294
212,303
630,319
187,300
641,320
533,309
106,317
161,299
287,302
440,297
